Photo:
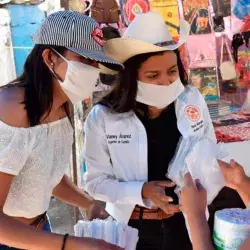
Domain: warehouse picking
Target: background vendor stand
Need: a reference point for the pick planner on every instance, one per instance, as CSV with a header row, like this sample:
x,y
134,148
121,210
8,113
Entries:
x,y
234,131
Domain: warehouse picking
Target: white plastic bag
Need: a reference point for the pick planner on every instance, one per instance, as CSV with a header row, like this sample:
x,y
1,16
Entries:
x,y
199,158
202,164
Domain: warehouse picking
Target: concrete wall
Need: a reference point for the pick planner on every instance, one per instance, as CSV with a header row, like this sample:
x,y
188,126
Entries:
x,y
17,23
7,66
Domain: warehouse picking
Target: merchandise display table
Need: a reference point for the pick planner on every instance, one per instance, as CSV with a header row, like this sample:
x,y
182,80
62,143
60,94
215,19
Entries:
x,y
234,131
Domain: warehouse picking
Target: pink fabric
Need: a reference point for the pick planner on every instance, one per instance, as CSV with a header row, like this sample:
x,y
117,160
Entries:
x,y
234,127
202,51
233,133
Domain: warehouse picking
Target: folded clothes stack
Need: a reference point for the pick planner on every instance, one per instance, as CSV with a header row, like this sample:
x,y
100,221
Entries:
x,y
117,233
231,228
219,108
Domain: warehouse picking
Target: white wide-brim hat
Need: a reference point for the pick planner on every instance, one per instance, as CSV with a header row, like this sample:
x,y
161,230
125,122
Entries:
x,y
148,33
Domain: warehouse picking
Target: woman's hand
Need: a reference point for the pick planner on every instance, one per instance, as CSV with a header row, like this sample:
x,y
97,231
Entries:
x,y
97,211
234,174
193,197
78,243
194,200
155,191
236,178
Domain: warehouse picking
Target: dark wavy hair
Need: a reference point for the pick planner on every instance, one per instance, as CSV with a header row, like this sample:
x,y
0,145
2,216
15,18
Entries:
x,y
123,96
36,80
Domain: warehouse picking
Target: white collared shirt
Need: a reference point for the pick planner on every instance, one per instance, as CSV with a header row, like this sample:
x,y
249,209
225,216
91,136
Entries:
x,y
116,151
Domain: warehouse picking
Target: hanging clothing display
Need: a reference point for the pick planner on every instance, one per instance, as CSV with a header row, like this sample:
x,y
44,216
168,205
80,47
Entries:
x,y
129,9
227,68
197,14
236,43
222,6
169,11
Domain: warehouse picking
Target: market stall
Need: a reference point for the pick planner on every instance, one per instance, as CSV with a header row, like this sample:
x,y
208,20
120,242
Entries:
x,y
234,131
218,67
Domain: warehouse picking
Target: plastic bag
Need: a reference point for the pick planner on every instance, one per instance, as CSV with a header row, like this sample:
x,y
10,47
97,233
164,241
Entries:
x,y
198,156
202,164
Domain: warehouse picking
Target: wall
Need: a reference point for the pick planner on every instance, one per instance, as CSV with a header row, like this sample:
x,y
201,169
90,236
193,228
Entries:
x,y
17,23
7,66
25,20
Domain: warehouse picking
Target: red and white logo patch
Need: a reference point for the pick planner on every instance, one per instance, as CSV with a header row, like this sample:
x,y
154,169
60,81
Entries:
x,y
98,36
193,113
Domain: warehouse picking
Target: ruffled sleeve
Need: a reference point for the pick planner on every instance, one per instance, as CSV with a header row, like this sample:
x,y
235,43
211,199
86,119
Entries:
x,y
15,147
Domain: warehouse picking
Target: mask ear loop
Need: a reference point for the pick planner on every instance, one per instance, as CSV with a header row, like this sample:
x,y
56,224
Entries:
x,y
52,71
60,55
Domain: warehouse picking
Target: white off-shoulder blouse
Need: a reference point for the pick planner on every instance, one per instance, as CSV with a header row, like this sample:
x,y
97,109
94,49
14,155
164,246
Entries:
x,y
38,157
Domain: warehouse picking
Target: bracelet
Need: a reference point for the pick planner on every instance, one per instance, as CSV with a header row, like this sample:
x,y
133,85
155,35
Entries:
x,y
65,237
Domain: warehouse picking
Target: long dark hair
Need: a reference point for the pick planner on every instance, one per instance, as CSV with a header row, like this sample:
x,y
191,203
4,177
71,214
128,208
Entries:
x,y
123,96
36,80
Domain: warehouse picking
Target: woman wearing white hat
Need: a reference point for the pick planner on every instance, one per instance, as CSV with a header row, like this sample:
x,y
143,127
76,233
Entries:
x,y
133,133
36,134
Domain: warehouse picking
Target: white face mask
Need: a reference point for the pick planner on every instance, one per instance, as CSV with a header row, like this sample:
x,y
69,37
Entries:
x,y
80,80
158,95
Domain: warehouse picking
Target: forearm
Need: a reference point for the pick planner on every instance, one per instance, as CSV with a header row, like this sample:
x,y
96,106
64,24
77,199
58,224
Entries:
x,y
119,192
244,191
68,192
246,245
14,233
200,233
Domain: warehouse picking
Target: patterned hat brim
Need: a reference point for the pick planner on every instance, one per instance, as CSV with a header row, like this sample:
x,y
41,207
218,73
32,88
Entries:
x,y
100,57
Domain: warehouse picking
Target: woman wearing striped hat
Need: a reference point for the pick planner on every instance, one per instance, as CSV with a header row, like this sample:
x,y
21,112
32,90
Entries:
x,y
36,132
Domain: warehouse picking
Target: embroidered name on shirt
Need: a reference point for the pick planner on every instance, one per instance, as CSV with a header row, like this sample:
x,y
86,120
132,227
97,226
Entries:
x,y
118,139
198,126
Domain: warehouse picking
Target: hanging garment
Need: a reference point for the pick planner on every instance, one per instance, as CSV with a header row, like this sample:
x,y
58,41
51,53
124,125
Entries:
x,y
222,6
197,14
169,10
227,68
236,43
105,11
130,8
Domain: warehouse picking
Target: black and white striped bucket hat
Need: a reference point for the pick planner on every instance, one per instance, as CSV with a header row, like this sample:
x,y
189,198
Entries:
x,y
78,33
